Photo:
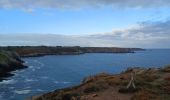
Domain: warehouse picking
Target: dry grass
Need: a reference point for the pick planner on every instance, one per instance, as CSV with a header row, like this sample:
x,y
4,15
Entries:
x,y
166,69
144,95
151,84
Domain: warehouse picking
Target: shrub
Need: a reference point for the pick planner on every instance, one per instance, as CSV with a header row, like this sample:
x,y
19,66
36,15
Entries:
x,y
166,69
128,90
91,89
143,95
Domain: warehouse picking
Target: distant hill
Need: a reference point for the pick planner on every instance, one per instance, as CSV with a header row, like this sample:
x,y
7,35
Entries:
x,y
27,51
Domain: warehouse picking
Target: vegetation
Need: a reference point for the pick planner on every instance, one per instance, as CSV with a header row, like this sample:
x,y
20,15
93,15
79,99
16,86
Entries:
x,y
27,51
9,61
151,84
166,69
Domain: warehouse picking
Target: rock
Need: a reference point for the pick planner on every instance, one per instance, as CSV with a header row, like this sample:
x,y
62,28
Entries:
x,y
9,61
94,95
73,98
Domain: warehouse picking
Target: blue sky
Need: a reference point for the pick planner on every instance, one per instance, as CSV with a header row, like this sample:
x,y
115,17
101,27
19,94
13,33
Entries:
x,y
75,22
86,22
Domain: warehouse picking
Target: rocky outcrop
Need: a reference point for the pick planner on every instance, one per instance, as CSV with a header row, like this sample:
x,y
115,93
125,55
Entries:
x,y
9,61
151,84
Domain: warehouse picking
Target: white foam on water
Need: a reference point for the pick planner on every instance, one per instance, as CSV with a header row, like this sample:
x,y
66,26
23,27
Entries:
x,y
11,87
14,72
12,81
40,63
39,90
25,62
22,91
35,60
44,77
27,87
33,70
62,82
56,82
34,67
31,67
38,67
66,82
30,80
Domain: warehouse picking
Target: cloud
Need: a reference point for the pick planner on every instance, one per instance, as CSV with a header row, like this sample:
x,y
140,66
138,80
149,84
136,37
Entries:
x,y
31,4
50,40
143,35
146,34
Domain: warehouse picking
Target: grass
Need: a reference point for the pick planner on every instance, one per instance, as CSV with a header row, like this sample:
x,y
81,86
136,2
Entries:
x,y
4,59
151,84
144,95
166,69
7,56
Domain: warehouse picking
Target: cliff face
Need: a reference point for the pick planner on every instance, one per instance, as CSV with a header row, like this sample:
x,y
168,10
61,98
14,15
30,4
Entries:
x,y
27,51
9,61
150,84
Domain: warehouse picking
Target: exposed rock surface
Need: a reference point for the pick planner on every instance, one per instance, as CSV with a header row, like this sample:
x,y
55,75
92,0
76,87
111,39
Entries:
x,y
151,84
9,61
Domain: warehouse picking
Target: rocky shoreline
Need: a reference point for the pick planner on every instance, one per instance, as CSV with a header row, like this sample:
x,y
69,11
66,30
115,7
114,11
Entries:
x,y
10,56
9,61
150,84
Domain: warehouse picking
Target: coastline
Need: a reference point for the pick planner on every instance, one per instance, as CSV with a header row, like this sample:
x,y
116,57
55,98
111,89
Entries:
x,y
150,84
104,83
11,56
35,51
9,61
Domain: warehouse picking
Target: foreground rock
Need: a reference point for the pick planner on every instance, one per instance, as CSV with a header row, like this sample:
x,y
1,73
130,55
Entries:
x,y
151,84
9,61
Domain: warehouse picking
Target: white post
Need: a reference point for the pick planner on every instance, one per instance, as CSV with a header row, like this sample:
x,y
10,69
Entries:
x,y
131,82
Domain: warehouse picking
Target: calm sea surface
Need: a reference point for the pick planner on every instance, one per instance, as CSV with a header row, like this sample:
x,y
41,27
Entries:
x,y
53,72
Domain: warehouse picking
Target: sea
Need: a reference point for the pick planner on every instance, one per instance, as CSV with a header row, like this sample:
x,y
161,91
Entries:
x,y
48,73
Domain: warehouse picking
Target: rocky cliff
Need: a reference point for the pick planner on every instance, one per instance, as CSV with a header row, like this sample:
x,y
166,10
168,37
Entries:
x,y
9,61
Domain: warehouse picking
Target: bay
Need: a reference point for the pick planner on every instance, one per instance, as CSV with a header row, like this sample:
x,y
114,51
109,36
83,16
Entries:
x,y
49,73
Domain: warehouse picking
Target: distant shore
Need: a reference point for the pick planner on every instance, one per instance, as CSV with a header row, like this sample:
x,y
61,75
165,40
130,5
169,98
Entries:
x,y
35,51
10,56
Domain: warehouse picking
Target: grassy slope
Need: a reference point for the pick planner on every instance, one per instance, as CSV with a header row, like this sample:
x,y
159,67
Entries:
x,y
9,61
152,84
3,58
6,57
27,51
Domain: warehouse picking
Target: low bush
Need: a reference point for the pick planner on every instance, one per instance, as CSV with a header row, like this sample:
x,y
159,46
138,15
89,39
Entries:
x,y
128,90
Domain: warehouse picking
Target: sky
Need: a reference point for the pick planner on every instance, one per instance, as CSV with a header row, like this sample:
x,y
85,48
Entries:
x,y
94,23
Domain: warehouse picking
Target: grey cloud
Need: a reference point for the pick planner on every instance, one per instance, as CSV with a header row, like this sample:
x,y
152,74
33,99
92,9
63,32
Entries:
x,y
31,4
50,40
144,35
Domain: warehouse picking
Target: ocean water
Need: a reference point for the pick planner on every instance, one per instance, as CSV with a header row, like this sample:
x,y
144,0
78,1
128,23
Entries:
x,y
48,73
